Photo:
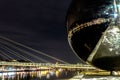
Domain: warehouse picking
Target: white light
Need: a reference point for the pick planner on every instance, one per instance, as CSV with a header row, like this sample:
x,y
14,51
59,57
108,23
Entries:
x,y
115,15
118,6
106,13
110,49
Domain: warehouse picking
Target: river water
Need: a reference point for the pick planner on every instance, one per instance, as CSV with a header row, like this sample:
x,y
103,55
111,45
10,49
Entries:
x,y
38,75
53,75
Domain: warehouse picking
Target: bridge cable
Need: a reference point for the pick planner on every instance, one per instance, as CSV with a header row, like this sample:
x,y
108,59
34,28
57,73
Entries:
x,y
33,49
5,55
36,57
15,53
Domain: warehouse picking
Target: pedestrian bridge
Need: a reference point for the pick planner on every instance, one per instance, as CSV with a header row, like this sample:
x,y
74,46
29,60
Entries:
x,y
30,64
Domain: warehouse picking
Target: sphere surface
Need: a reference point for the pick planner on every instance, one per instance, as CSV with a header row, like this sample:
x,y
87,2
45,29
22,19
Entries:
x,y
90,25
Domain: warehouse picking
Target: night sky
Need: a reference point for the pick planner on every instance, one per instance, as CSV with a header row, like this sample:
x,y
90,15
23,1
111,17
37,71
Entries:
x,y
39,24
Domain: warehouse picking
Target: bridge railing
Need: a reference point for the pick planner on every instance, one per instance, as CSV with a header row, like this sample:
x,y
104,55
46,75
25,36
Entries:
x,y
80,66
3,63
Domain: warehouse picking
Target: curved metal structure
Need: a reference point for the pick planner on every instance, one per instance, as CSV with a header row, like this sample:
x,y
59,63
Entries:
x,y
93,28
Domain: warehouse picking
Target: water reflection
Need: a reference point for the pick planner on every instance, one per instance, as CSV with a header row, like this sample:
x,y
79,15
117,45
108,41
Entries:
x,y
37,75
101,77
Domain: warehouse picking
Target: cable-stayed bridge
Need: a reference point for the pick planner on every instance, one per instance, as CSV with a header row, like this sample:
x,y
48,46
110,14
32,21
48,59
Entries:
x,y
12,50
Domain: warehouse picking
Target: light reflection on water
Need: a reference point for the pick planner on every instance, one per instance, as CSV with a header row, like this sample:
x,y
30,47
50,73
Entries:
x,y
52,75
101,78
36,75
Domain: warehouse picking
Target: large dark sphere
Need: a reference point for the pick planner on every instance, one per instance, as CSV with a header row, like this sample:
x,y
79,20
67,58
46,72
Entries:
x,y
86,22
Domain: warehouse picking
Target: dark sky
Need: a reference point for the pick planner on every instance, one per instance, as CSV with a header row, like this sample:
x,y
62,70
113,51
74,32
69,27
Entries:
x,y
39,24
